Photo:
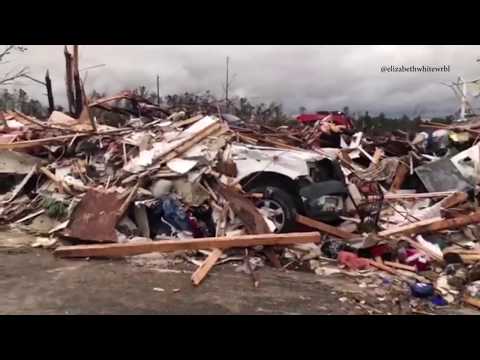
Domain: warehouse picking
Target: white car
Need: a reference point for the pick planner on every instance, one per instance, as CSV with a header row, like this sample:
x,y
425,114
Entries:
x,y
292,181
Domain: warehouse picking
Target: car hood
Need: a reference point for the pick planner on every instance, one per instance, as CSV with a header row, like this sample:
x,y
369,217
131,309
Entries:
x,y
265,152
253,159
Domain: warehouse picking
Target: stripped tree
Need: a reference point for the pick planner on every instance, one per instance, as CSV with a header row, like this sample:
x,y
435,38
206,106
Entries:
x,y
12,75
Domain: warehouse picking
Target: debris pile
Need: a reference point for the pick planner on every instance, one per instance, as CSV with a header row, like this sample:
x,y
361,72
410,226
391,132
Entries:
x,y
399,211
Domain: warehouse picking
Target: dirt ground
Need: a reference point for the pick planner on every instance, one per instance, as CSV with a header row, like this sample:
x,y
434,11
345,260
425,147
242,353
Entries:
x,y
33,281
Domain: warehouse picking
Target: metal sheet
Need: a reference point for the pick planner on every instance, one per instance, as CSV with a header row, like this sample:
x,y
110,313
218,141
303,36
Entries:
x,y
95,217
442,175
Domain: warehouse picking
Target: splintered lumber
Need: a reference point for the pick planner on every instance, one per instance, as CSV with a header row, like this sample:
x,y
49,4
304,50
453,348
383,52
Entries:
x,y
414,196
412,228
400,266
453,200
402,172
203,269
470,258
56,180
435,210
377,155
244,208
434,224
424,249
250,216
119,250
187,121
29,119
331,230
383,267
472,301
38,142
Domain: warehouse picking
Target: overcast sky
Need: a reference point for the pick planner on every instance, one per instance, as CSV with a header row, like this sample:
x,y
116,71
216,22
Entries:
x,y
317,77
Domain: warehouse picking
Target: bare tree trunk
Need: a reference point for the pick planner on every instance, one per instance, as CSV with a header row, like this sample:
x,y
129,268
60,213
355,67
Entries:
x,y
76,81
48,85
158,89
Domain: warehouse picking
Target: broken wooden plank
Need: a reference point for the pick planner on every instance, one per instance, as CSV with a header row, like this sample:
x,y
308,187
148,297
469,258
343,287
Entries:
x,y
422,248
38,142
434,224
250,216
245,209
129,199
414,196
400,176
470,258
30,216
30,120
453,200
400,266
128,249
62,185
203,269
436,210
382,267
187,121
331,230
377,155
471,301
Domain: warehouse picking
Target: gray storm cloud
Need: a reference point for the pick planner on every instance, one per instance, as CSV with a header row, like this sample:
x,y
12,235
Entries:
x,y
317,77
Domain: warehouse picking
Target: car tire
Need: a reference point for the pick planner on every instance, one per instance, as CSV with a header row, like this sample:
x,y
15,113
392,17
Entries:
x,y
278,198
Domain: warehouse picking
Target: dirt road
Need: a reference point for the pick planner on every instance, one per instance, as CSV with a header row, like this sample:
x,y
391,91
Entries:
x,y
33,281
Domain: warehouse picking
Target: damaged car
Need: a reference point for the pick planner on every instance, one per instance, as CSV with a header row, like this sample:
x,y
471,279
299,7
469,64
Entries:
x,y
291,181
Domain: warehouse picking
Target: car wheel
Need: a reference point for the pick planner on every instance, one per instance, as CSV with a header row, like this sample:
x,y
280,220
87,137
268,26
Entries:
x,y
278,206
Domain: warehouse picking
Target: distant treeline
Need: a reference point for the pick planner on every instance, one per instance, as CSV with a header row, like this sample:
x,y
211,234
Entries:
x,y
19,100
380,124
263,113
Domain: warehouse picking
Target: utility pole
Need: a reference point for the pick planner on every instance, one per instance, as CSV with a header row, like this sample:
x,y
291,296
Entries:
x,y
158,89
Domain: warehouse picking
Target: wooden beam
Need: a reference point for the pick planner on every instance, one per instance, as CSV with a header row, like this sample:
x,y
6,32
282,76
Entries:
x,y
377,155
383,267
414,196
56,180
331,230
410,228
38,142
434,224
203,269
400,266
108,99
119,250
472,301
400,175
453,200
